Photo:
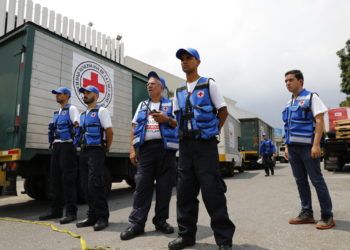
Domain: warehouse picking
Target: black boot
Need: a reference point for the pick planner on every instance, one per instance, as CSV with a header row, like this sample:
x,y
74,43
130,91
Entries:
x,y
180,243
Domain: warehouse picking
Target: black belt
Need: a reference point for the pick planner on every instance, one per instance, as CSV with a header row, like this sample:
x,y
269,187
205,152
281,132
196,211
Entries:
x,y
155,141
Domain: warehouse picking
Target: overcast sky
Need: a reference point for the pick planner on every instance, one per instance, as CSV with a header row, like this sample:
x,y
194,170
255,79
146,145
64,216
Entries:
x,y
246,46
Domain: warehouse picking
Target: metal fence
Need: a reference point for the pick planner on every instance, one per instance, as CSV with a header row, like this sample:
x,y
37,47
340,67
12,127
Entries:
x,y
14,13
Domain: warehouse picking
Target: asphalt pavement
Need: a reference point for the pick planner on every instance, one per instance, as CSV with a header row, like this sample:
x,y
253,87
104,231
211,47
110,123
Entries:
x,y
259,206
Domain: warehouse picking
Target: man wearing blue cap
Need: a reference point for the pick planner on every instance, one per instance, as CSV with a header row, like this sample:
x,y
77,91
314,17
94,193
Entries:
x,y
96,135
200,112
63,169
267,150
154,136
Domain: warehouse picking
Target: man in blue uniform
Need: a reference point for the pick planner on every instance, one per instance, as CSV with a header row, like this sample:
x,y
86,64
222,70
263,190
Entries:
x,y
200,113
96,135
267,151
304,125
155,137
63,167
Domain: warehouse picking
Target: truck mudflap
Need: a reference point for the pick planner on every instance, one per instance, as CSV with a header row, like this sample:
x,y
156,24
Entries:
x,y
8,167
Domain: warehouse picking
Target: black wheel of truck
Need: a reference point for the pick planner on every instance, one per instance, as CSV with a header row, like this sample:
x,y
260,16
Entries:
x,y
36,187
27,188
39,187
230,166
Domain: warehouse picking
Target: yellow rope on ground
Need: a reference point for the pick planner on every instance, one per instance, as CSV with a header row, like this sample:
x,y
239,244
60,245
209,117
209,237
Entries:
x,y
56,229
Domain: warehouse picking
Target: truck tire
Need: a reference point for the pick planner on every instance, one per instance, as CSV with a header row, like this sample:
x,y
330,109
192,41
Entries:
x,y
36,187
231,168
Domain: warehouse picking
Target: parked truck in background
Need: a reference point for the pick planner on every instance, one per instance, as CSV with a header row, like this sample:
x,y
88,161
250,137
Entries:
x,y
336,145
249,142
280,154
230,158
33,61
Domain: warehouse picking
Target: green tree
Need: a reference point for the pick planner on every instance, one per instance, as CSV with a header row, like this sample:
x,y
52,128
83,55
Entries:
x,y
344,65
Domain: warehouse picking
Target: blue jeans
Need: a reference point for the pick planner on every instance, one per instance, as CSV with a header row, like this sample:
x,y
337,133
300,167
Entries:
x,y
303,166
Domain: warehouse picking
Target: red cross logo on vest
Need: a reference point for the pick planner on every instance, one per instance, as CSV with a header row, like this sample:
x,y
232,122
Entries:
x,y
94,82
200,94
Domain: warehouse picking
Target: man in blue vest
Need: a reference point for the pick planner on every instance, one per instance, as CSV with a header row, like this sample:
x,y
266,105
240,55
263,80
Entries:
x,y
63,167
267,151
304,125
155,137
96,135
200,113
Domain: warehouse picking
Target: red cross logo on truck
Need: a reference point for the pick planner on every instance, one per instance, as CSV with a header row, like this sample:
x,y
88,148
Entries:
x,y
94,82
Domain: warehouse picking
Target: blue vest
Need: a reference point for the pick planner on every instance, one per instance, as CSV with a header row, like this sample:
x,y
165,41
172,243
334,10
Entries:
x,y
198,109
169,134
267,147
62,125
298,120
91,129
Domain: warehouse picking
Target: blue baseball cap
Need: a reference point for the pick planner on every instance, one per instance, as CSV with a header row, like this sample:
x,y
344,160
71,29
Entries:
x,y
89,88
190,51
155,75
61,90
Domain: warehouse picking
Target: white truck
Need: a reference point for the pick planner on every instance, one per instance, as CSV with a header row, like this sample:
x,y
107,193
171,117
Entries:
x,y
229,156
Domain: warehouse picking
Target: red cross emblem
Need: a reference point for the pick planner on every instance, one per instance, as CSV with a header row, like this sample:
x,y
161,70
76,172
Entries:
x,y
94,82
200,94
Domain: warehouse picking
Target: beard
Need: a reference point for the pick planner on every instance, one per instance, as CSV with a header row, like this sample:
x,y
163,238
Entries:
x,y
89,100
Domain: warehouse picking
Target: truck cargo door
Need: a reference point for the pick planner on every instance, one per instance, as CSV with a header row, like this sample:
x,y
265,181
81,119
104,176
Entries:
x,y
10,63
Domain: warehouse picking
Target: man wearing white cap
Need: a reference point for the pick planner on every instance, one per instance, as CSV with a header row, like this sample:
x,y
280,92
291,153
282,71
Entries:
x,y
63,169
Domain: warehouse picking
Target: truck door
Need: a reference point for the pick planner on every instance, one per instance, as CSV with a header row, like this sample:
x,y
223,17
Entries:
x,y
10,63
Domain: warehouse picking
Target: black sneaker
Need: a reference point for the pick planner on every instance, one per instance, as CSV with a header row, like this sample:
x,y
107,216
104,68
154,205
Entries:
x,y
303,218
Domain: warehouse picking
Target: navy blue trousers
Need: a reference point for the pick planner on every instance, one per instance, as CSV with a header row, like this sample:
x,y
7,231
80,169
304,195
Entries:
x,y
156,165
199,170
303,166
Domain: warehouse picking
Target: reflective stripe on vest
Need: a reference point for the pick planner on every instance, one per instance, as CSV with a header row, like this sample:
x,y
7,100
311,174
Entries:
x,y
298,120
168,133
197,109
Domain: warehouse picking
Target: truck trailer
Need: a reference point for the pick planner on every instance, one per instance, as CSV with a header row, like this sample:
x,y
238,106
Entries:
x,y
336,146
229,156
34,61
249,142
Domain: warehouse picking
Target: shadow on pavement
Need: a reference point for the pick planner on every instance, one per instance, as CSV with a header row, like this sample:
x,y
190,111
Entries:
x,y
342,225
244,175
